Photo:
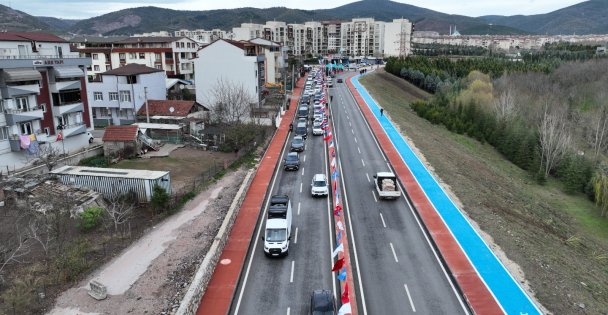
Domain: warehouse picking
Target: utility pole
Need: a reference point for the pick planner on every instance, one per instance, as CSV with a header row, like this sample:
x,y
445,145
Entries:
x,y
146,99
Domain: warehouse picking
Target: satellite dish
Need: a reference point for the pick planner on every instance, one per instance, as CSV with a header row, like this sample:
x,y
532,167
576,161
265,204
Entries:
x,y
181,86
171,109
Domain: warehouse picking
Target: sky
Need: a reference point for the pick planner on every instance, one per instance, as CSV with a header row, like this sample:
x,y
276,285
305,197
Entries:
x,y
83,9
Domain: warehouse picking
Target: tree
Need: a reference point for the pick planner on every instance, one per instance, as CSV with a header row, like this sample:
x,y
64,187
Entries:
x,y
554,139
599,128
119,209
13,250
160,197
231,102
600,188
504,105
46,154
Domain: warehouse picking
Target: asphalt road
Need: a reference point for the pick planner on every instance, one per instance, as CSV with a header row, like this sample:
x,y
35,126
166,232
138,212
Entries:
x,y
397,272
283,285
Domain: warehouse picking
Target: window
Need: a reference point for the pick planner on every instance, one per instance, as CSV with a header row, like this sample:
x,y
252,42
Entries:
x,y
132,56
104,112
108,67
95,56
4,133
96,67
97,96
157,56
142,55
47,131
43,107
122,56
123,113
21,103
131,79
159,67
26,128
125,96
113,96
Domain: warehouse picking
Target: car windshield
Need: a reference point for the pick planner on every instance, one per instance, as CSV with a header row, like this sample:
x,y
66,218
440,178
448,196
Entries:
x,y
276,235
297,142
292,158
319,183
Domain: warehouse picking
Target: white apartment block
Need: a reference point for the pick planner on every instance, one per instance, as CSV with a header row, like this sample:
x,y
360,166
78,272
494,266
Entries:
x,y
203,37
296,39
397,38
248,31
121,92
363,37
41,83
315,41
276,32
174,55
334,36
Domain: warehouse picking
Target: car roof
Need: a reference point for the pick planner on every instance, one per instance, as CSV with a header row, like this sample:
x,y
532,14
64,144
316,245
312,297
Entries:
x,y
301,124
298,138
319,177
292,154
322,300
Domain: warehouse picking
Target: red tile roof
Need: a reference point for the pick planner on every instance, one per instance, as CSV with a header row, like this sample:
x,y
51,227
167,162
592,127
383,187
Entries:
x,y
132,69
31,36
120,133
162,108
150,39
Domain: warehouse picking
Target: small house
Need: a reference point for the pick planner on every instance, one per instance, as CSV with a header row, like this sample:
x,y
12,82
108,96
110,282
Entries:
x,y
121,141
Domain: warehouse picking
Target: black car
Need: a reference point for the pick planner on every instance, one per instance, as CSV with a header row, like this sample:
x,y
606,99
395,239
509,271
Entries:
x,y
305,99
292,161
298,144
322,303
339,81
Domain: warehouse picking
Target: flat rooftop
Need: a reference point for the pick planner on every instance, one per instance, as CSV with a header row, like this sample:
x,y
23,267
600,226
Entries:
x,y
108,172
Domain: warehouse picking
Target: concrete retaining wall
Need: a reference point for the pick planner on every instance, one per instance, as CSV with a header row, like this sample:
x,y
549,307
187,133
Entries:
x,y
72,159
195,292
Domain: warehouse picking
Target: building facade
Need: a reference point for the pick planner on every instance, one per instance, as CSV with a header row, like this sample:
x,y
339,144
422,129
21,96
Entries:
x,y
397,38
44,100
119,94
174,55
204,37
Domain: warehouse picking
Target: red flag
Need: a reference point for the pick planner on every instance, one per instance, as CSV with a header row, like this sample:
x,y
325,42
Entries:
x,y
338,265
328,136
337,211
345,298
60,136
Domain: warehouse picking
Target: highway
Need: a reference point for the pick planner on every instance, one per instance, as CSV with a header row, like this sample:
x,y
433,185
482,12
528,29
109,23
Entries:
x,y
397,271
283,285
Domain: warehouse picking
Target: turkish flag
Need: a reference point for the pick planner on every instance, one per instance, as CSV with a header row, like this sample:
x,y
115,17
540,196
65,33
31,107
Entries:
x,y
338,265
345,298
328,137
59,136
337,211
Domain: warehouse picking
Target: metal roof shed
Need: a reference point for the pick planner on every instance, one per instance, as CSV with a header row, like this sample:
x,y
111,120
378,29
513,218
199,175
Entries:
x,y
109,181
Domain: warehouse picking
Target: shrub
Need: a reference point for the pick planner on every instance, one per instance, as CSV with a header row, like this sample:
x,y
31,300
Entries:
x,y
94,161
90,218
160,198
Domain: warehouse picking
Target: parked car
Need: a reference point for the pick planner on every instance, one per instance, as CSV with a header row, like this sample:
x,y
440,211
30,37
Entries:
x,y
322,303
292,161
298,144
339,81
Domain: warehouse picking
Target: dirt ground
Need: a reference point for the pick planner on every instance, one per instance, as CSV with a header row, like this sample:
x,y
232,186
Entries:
x,y
151,276
563,262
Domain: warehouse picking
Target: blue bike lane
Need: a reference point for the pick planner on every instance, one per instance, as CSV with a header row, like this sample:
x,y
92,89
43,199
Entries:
x,y
506,290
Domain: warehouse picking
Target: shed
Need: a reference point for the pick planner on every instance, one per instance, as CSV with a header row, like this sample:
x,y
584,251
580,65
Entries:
x,y
163,132
111,181
122,141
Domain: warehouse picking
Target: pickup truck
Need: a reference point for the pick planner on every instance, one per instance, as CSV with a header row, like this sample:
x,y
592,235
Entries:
x,y
386,185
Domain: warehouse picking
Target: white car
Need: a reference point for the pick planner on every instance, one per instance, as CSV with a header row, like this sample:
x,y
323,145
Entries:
x,y
319,186
317,130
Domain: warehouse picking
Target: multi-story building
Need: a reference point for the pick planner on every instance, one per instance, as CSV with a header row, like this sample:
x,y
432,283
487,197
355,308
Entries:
x,y
246,64
276,32
363,37
397,38
333,31
43,97
316,43
203,37
296,39
248,31
173,55
121,92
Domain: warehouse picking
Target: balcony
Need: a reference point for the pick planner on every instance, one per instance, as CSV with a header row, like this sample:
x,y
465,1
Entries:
x,y
64,85
74,129
14,116
11,91
66,108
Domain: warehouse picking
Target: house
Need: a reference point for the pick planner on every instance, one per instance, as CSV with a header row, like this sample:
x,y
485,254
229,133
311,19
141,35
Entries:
x,y
121,142
121,92
189,114
43,97
173,55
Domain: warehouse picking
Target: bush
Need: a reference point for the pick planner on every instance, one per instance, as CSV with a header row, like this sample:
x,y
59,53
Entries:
x,y
160,198
94,161
73,262
90,218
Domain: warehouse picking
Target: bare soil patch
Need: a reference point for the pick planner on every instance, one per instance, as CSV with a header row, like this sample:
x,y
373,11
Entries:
x,y
544,246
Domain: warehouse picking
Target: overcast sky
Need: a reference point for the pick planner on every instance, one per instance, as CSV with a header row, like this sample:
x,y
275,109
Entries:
x,y
82,9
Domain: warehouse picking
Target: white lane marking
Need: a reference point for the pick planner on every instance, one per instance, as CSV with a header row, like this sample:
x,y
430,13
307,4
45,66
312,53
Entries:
x,y
288,310
374,194
349,123
407,291
359,150
363,162
302,171
411,208
367,175
329,217
293,264
257,236
355,139
301,184
295,240
299,208
304,159
352,233
394,254
388,165
381,218
352,131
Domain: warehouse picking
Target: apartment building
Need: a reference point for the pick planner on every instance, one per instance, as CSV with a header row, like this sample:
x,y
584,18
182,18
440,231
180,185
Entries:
x,y
276,32
173,55
119,93
296,39
248,31
397,38
363,37
43,97
203,37
333,31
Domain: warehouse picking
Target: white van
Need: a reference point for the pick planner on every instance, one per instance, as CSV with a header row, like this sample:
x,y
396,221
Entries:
x,y
278,226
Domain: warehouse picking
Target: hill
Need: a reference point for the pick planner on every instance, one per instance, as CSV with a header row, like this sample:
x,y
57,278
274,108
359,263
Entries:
x,y
17,21
587,17
58,24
